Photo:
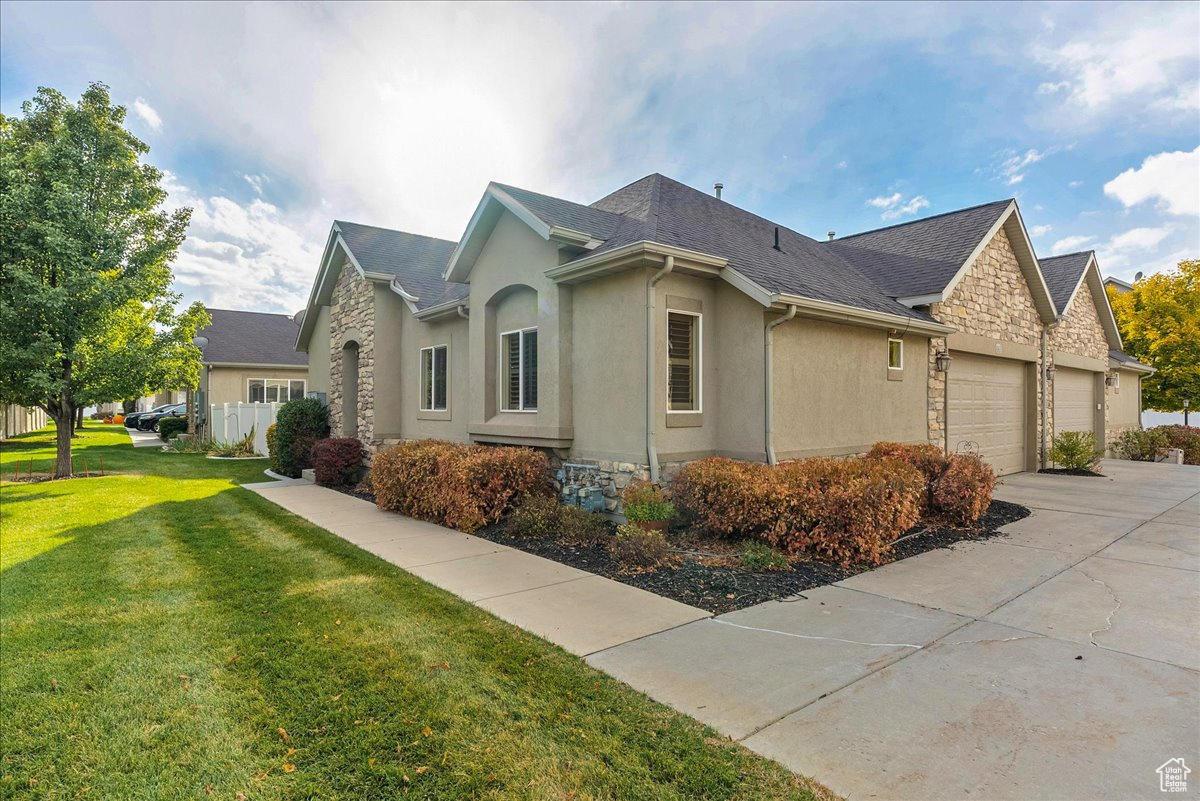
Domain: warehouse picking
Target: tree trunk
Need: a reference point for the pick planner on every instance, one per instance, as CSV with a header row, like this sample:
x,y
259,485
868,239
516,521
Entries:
x,y
79,419
63,422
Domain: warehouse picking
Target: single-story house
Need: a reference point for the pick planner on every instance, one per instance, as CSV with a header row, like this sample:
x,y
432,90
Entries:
x,y
16,420
248,357
661,324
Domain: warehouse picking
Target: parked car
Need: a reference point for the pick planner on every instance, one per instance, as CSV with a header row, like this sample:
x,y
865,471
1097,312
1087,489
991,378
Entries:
x,y
149,420
132,418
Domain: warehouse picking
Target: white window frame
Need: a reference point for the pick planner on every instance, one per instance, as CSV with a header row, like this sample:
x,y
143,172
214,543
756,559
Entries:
x,y
433,407
900,342
520,332
699,362
288,381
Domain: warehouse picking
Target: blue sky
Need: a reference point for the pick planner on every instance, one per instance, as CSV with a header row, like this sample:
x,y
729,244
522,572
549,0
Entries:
x,y
274,119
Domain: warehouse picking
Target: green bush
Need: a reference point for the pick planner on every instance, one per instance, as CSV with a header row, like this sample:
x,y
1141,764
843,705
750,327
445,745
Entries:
x,y
171,427
760,556
644,502
1185,438
272,451
543,517
633,546
1075,450
1139,445
298,424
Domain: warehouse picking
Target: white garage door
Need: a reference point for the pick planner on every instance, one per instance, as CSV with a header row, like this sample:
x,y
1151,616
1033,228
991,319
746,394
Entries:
x,y
1074,400
987,409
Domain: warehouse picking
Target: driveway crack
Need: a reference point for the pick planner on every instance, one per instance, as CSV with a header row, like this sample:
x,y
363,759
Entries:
x,y
815,637
1108,620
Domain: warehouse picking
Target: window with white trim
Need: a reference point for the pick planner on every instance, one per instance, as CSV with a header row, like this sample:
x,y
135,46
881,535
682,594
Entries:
x,y
274,390
433,378
895,354
683,361
518,356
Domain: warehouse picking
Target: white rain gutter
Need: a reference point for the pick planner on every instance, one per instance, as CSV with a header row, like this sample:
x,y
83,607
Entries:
x,y
651,373
769,381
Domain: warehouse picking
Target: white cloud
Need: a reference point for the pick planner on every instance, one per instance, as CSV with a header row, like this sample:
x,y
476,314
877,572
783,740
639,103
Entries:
x,y
1070,244
1013,167
1041,230
147,113
1171,178
1140,238
895,206
1075,184
256,183
1129,59
841,165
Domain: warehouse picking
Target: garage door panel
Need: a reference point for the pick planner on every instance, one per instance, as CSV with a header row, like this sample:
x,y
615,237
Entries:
x,y
1074,400
987,409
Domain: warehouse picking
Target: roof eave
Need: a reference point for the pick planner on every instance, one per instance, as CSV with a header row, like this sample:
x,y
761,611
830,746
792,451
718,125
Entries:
x,y
621,258
442,310
839,312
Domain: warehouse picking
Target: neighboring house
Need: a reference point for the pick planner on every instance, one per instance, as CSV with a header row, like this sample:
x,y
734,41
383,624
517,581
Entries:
x,y
249,357
1117,284
15,420
550,320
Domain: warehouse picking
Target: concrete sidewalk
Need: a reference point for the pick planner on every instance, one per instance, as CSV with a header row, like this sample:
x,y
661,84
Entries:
x,y
1061,661
144,439
581,612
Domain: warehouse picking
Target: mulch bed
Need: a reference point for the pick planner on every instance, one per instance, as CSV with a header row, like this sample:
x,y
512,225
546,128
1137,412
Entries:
x,y
1066,471
707,574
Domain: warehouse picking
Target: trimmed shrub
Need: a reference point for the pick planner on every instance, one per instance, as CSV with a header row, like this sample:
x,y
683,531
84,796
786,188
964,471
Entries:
x,y
298,425
633,546
843,509
272,450
1140,445
849,510
1186,438
644,502
543,517
337,462
461,486
1075,450
171,427
964,491
928,459
760,556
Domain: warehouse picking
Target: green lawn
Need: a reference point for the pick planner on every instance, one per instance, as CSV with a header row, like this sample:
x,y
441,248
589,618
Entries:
x,y
165,634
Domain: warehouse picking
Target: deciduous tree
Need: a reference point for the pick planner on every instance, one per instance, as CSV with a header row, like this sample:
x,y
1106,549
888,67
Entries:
x,y
85,242
1160,324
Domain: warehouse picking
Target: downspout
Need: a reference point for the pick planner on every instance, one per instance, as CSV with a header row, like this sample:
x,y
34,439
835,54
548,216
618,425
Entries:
x,y
769,382
651,374
1044,377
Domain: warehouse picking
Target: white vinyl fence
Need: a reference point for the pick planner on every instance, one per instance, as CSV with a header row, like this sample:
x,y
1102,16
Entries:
x,y
233,421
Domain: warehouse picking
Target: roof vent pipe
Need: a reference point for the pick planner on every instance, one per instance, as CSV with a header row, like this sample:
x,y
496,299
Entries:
x,y
717,187
777,239
831,235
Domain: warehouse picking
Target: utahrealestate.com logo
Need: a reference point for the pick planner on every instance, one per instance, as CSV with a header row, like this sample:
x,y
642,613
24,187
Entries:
x,y
1172,776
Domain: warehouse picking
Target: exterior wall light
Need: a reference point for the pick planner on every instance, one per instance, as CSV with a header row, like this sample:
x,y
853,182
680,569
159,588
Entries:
x,y
942,361
1050,373
1110,379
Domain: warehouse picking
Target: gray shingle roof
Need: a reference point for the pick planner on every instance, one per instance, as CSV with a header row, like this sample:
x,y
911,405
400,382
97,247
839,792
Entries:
x,y
417,262
1127,360
563,213
241,337
662,210
922,256
1062,275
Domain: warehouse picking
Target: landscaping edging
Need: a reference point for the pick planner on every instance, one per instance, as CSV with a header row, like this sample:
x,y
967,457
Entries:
x,y
236,458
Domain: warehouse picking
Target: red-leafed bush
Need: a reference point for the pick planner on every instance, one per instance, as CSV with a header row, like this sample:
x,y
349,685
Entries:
x,y
731,498
964,491
461,486
1186,438
849,510
338,461
928,459
843,509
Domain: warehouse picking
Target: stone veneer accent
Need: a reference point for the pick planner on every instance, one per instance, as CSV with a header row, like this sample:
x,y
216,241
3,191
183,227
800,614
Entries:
x,y
353,307
991,300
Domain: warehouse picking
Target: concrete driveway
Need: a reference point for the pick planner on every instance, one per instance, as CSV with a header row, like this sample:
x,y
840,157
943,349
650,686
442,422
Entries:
x,y
1059,662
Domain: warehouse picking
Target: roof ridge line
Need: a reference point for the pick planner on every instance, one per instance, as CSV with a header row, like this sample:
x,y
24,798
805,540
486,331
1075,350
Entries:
x,y
922,219
394,231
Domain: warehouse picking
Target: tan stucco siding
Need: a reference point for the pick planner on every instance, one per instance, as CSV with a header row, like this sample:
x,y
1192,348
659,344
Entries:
x,y
609,341
318,352
509,289
452,423
1124,402
685,435
388,376
833,394
229,384
738,365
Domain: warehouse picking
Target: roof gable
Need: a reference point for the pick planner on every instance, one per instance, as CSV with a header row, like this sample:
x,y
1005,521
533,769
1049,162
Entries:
x,y
258,338
1066,274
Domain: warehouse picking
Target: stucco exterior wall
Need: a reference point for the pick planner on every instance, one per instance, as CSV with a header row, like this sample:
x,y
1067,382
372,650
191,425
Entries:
x,y
229,384
991,302
352,318
318,353
1123,403
833,393
682,436
738,372
452,423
